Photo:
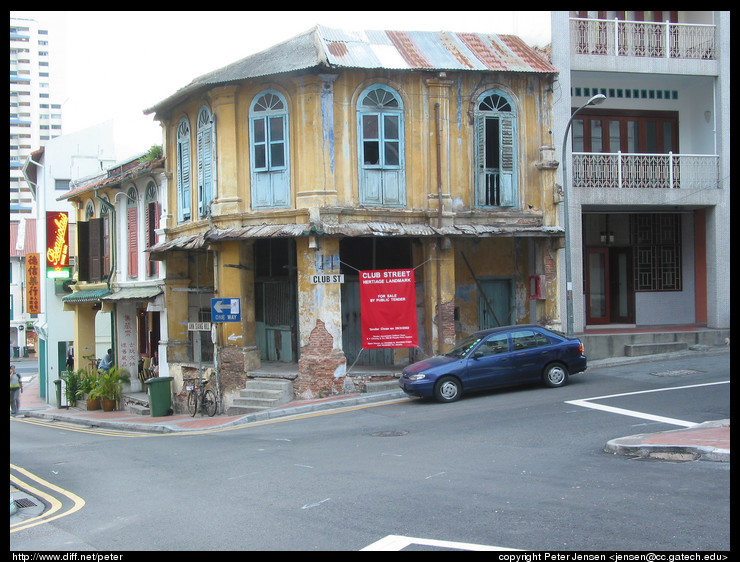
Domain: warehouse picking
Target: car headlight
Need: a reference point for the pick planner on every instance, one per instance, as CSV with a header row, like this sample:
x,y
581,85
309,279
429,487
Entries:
x,y
416,377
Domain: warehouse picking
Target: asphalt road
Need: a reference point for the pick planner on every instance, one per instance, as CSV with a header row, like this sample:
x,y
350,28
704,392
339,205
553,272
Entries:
x,y
517,469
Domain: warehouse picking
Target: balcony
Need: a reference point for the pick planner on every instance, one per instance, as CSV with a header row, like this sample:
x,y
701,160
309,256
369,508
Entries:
x,y
642,39
645,171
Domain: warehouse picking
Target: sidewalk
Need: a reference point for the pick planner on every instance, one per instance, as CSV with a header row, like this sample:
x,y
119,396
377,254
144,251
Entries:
x,y
32,406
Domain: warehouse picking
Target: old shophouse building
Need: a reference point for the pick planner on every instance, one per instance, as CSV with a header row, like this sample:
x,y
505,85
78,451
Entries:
x,y
337,152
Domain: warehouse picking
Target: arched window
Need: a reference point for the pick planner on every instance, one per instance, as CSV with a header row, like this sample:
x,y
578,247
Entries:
x,y
152,224
496,151
183,170
381,147
206,170
132,231
268,128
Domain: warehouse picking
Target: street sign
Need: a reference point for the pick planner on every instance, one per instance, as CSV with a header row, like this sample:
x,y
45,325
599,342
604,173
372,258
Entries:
x,y
226,310
327,279
199,326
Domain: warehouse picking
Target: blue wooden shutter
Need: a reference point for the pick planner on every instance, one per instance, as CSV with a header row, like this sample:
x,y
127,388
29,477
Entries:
x,y
205,161
508,191
183,176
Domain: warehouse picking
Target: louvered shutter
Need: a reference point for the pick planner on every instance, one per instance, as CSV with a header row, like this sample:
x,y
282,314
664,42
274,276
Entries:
x,y
83,249
133,242
205,168
183,178
507,163
480,136
96,250
152,223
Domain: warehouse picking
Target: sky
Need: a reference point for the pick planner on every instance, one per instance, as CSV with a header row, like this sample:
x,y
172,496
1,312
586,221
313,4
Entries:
x,y
114,65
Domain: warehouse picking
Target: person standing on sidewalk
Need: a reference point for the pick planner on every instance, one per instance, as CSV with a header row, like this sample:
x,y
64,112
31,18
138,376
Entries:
x,y
16,388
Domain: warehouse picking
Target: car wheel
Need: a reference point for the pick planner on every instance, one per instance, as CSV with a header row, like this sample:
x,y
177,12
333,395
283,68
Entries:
x,y
447,389
555,375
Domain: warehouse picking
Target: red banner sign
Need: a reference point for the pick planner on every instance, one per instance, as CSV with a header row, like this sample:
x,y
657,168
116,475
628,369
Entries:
x,y
388,308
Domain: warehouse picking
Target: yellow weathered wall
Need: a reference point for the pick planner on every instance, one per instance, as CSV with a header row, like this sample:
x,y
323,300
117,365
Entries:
x,y
324,176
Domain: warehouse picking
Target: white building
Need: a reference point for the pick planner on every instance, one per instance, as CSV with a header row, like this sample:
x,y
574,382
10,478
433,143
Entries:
x,y
49,172
648,170
35,116
118,285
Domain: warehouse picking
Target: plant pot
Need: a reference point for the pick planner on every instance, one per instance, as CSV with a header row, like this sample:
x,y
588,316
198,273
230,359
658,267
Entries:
x,y
108,404
93,403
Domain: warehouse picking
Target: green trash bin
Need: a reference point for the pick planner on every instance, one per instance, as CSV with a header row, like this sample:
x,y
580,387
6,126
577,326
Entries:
x,y
160,396
61,395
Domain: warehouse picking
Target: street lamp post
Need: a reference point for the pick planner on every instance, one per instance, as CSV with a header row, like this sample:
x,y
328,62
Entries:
x,y
595,100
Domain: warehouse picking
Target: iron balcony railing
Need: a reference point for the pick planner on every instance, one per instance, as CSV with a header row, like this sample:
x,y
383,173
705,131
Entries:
x,y
642,39
660,171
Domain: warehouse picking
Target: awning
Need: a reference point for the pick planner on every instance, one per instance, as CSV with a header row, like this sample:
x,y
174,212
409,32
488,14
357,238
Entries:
x,y
91,295
134,293
201,240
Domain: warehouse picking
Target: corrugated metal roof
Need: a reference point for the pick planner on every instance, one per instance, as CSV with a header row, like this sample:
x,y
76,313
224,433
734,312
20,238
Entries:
x,y
86,295
399,50
133,293
430,50
113,176
29,237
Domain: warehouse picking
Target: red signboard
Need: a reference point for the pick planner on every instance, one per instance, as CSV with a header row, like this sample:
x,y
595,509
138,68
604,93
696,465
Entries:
x,y
388,308
57,244
33,284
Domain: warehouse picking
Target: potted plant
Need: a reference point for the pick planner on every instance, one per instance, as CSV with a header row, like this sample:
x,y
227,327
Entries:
x,y
109,387
72,381
87,384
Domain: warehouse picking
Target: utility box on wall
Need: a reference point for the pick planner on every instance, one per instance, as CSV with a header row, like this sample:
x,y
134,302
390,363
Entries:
x,y
536,287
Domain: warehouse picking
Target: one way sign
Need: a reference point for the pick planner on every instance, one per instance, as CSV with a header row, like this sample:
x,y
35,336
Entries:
x,y
226,310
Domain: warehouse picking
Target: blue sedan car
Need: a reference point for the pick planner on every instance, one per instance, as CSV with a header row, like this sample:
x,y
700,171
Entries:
x,y
506,356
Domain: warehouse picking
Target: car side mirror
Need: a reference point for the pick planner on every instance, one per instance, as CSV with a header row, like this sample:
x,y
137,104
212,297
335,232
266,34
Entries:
x,y
477,355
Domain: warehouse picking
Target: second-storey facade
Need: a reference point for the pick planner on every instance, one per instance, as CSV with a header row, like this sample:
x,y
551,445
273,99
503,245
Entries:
x,y
335,153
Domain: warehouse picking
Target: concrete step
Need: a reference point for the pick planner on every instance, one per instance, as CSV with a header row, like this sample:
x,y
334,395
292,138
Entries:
x,y
639,349
138,409
261,394
136,403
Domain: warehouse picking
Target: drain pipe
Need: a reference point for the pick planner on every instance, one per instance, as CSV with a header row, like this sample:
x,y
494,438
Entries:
x,y
438,250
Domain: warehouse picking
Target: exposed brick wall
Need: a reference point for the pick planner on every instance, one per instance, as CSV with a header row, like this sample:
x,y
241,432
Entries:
x,y
446,323
550,266
318,365
231,372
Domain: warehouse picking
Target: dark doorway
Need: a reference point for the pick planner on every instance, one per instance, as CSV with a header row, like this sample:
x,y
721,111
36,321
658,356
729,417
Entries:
x,y
275,299
360,254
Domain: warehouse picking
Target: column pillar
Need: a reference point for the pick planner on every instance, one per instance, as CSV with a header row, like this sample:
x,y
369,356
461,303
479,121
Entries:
x,y
223,105
322,364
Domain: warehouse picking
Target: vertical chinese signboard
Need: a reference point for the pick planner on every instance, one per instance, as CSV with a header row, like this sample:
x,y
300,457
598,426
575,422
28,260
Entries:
x,y
57,245
33,284
388,308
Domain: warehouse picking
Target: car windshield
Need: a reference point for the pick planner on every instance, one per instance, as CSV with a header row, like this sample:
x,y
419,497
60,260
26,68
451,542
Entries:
x,y
463,349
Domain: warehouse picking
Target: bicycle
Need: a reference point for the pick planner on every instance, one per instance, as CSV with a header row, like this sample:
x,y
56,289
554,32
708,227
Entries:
x,y
199,395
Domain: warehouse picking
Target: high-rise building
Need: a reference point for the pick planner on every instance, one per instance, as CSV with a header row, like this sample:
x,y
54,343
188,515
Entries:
x,y
35,116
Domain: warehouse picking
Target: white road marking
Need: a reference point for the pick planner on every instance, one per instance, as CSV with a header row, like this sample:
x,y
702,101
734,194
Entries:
x,y
397,542
310,505
587,403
